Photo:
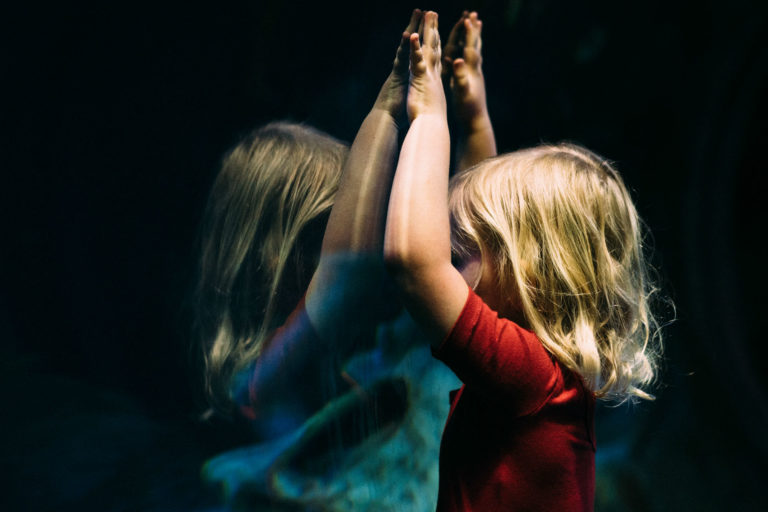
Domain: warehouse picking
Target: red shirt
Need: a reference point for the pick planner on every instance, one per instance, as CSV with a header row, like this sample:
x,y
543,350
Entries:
x,y
520,434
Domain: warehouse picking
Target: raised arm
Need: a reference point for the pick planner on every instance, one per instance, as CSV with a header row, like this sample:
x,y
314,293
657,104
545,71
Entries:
x,y
463,74
298,368
352,245
357,219
417,239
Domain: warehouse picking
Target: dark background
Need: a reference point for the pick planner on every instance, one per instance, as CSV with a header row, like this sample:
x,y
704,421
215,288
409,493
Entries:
x,y
115,117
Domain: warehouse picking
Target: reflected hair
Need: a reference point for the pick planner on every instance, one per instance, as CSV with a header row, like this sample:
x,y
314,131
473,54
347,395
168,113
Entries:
x,y
567,244
261,235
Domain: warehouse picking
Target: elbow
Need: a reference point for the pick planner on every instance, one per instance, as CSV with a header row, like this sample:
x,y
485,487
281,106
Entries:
x,y
406,269
401,263
407,260
396,259
401,269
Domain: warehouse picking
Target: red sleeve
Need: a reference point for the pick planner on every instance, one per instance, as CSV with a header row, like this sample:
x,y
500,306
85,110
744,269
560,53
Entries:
x,y
500,357
294,375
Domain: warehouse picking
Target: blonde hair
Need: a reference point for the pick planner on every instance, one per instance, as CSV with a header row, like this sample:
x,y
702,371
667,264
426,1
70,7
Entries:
x,y
261,237
566,240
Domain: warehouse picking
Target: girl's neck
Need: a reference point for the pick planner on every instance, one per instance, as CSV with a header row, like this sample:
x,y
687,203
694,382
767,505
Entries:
x,y
482,278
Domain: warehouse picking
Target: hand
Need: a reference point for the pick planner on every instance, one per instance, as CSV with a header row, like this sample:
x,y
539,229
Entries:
x,y
392,94
454,48
425,92
462,70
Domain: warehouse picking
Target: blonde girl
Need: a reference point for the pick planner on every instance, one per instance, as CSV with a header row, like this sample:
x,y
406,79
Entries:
x,y
547,311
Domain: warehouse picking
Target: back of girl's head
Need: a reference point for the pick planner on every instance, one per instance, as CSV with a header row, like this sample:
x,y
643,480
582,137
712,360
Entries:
x,y
261,236
566,239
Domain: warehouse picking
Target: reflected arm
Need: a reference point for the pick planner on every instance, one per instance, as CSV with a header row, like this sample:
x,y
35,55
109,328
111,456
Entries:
x,y
348,277
356,223
463,74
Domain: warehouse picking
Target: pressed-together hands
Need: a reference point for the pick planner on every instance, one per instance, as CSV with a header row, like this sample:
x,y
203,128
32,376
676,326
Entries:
x,y
417,245
463,76
425,91
460,66
392,95
463,72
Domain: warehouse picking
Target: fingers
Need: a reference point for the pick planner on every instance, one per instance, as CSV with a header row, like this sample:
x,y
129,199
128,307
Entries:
x,y
450,49
413,24
472,41
431,37
473,27
429,40
401,59
453,43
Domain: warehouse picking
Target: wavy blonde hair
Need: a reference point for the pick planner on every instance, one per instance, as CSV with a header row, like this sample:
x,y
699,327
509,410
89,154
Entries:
x,y
261,237
567,243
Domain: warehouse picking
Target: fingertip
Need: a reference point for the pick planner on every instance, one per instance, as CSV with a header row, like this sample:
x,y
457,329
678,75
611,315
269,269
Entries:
x,y
414,40
434,18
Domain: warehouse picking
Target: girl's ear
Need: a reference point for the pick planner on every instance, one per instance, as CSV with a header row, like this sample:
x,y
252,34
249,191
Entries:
x,y
471,269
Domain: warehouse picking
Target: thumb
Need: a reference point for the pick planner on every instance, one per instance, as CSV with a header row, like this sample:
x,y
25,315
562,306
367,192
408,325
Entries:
x,y
416,55
461,73
401,57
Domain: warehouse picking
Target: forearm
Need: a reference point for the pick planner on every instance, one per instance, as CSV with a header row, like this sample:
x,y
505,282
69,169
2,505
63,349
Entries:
x,y
357,220
417,244
418,227
476,142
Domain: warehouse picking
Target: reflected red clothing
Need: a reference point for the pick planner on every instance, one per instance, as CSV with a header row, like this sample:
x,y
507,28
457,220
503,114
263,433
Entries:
x,y
295,375
520,434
